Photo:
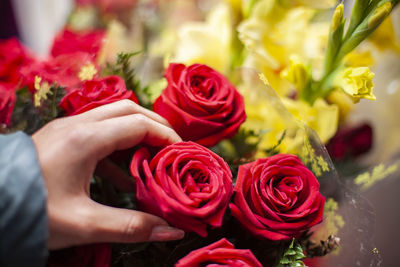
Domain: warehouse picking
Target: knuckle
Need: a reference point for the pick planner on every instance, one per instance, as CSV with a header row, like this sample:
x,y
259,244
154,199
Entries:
x,y
128,104
134,229
141,119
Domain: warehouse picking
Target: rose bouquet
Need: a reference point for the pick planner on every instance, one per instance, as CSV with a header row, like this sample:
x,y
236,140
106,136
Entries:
x,y
252,183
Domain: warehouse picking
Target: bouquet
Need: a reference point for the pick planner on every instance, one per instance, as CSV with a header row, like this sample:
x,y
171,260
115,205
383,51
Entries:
x,y
256,89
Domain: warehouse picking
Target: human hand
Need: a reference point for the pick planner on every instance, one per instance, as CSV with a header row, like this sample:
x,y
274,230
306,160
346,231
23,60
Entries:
x,y
69,150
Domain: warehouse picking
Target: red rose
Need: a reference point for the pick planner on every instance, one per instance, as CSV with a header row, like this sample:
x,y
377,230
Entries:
x,y
352,141
63,70
277,198
95,93
93,255
68,41
13,56
220,253
186,184
200,104
7,102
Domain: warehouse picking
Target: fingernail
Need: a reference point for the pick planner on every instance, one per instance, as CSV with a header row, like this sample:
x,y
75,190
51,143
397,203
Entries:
x,y
165,233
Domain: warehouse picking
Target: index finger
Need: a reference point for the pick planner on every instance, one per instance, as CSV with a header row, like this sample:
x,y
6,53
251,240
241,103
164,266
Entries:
x,y
118,109
128,131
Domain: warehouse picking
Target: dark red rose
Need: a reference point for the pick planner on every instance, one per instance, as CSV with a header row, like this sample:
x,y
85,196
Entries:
x,y
7,102
200,104
13,56
63,70
351,142
186,184
93,255
68,42
220,253
95,93
277,198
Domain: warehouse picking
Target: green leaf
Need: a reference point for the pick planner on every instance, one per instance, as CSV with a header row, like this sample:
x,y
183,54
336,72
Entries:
x,y
292,257
123,68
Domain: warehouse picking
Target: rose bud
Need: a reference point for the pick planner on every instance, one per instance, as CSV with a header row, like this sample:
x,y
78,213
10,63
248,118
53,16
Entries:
x,y
186,184
277,198
220,253
95,93
200,104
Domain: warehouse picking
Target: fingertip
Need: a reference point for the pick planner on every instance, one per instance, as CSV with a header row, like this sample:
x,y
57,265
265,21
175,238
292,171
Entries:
x,y
166,233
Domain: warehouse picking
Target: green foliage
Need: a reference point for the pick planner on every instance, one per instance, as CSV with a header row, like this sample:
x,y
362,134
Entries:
x,y
123,68
240,149
292,257
28,118
241,146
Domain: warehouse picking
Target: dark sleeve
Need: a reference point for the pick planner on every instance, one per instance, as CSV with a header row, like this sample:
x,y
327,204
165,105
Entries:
x,y
23,217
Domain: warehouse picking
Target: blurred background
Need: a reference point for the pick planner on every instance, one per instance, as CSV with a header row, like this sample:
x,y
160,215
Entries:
x,y
37,22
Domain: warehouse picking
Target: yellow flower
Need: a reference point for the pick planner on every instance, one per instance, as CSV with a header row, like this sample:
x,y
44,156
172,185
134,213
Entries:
x,y
42,89
87,72
358,58
264,117
343,101
296,73
321,117
207,42
384,36
337,17
356,82
274,32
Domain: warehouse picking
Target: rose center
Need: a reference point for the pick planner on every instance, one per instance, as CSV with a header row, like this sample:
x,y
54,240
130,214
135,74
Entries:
x,y
283,191
195,184
202,87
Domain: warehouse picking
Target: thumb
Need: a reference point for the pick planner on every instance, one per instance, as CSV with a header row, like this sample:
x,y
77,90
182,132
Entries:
x,y
129,226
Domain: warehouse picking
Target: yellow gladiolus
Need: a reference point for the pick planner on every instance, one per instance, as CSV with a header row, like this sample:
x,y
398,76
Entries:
x,y
207,42
343,101
296,73
263,118
384,37
356,82
358,58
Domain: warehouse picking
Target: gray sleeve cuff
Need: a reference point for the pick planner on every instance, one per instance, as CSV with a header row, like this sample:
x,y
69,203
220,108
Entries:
x,y
23,217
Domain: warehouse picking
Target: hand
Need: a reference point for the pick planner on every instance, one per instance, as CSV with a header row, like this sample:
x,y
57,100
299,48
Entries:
x,y
69,150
